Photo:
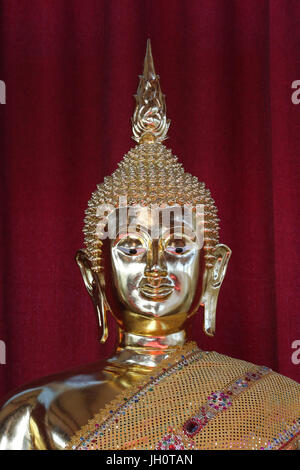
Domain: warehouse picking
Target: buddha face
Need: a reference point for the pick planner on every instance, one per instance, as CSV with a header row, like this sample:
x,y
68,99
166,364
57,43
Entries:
x,y
155,276
156,263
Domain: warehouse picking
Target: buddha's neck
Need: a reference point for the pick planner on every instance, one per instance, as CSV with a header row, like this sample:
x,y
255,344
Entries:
x,y
146,350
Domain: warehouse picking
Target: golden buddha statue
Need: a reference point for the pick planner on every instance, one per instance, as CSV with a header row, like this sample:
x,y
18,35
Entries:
x,y
152,258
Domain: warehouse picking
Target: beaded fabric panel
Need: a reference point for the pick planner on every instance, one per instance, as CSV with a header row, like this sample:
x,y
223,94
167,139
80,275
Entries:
x,y
201,400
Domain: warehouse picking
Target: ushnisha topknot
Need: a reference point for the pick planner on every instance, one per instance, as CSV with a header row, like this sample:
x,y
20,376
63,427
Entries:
x,y
149,174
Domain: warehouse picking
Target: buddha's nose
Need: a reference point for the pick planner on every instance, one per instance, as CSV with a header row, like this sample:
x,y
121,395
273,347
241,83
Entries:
x,y
155,271
156,266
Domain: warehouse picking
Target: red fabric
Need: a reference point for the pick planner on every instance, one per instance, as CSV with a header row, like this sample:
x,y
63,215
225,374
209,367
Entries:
x,y
71,69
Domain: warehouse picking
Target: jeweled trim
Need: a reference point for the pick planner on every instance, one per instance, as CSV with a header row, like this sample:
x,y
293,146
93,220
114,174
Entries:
x,y
284,437
175,441
185,355
221,400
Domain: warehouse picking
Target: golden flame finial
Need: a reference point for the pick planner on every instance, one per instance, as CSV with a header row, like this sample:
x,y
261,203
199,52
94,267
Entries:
x,y
149,70
149,122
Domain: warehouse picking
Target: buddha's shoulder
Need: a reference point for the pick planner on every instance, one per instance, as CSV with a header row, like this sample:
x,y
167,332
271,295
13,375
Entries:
x,y
229,369
253,396
28,410
24,399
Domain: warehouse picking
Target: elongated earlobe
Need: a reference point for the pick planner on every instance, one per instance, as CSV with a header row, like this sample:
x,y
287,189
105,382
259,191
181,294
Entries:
x,y
93,286
212,282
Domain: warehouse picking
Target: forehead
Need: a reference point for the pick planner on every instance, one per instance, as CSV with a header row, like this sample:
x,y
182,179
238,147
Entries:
x,y
157,219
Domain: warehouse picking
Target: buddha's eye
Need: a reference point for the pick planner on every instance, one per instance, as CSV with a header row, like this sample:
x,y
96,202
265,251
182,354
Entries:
x,y
131,247
131,251
178,247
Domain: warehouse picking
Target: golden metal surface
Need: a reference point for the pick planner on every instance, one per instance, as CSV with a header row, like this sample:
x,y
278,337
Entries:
x,y
46,414
151,283
149,122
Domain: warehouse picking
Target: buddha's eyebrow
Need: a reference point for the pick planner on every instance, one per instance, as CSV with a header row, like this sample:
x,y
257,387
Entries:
x,y
132,228
182,228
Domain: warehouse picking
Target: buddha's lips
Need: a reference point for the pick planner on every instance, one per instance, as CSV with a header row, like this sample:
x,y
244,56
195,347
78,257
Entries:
x,y
156,288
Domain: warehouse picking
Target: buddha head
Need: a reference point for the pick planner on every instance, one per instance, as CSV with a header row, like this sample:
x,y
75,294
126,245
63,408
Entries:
x,y
152,255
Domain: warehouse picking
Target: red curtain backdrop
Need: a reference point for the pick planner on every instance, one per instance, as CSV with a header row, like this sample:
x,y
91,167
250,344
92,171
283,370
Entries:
x,y
71,68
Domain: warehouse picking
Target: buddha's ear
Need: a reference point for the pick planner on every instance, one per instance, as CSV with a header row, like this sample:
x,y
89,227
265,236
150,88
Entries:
x,y
93,286
212,281
85,266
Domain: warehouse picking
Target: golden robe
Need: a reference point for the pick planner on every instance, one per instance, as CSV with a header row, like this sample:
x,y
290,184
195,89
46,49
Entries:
x,y
199,400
